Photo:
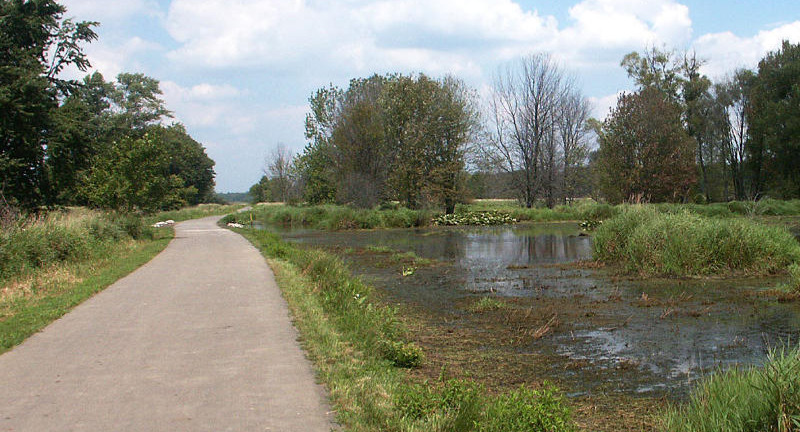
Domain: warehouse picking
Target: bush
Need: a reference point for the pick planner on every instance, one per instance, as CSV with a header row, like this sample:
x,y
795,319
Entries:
x,y
456,404
747,400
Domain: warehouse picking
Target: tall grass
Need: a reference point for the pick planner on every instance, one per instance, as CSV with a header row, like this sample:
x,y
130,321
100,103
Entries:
x,y
361,348
336,217
49,264
63,237
651,242
748,400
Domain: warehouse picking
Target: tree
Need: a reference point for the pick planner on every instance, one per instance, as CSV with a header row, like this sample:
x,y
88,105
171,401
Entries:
x,y
261,191
734,96
645,153
388,137
428,126
526,101
188,162
315,165
133,175
360,151
572,132
775,123
453,125
656,68
79,130
35,45
137,103
277,168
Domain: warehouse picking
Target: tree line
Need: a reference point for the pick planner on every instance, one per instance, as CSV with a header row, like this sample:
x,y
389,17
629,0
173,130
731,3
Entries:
x,y
88,142
396,137
427,142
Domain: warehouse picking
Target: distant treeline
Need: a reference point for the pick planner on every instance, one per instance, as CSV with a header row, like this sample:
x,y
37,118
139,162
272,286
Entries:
x,y
90,142
428,142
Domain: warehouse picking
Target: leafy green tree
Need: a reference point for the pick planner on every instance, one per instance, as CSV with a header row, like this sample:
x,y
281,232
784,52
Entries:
x,y
656,68
137,103
645,153
260,192
774,153
189,162
80,127
35,45
315,165
133,175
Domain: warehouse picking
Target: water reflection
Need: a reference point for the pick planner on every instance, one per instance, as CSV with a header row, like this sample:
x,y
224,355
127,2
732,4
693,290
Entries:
x,y
632,335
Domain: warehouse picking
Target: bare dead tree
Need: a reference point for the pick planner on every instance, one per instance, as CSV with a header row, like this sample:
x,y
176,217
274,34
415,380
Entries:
x,y
278,168
525,107
573,134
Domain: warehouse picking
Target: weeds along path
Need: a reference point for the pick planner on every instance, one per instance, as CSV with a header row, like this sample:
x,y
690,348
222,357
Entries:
x,y
198,339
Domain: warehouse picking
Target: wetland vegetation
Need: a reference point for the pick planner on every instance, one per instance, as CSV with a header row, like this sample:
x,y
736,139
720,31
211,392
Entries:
x,y
494,308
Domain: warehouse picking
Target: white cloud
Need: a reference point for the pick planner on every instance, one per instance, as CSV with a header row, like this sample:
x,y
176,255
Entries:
x,y
445,35
112,60
107,11
726,51
602,106
205,105
611,27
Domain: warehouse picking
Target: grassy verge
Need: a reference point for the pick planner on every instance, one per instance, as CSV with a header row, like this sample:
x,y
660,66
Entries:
x,y
195,212
49,265
361,348
752,399
650,242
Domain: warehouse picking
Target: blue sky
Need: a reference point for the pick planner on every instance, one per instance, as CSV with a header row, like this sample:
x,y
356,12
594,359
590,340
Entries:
x,y
238,73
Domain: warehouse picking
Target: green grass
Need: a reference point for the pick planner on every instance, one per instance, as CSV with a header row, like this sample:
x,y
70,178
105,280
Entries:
x,y
650,242
59,261
488,212
362,349
756,399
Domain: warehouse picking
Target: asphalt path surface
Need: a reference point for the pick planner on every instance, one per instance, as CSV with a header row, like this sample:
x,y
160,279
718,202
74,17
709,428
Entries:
x,y
198,339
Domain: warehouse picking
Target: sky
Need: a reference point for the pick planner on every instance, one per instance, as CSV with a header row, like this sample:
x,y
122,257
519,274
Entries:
x,y
238,73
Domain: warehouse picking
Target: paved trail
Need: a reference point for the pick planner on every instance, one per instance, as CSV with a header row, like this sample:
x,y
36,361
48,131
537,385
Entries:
x,y
199,339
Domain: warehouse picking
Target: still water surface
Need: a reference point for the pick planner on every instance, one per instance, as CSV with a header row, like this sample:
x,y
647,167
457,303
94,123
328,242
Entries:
x,y
643,336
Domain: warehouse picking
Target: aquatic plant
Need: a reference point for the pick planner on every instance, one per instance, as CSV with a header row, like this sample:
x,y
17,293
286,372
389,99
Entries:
x,y
649,242
492,217
486,304
753,399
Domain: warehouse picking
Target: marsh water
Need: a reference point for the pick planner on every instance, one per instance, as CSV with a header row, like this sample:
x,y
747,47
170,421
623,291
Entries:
x,y
612,333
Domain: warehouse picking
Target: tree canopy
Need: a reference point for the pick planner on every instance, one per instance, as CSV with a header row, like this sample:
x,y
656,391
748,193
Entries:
x,y
56,134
